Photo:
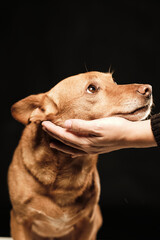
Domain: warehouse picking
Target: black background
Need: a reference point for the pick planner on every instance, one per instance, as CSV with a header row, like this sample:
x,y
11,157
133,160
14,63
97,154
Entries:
x,y
43,43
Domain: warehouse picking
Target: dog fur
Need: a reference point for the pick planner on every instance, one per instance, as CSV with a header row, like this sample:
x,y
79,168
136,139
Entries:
x,y
53,195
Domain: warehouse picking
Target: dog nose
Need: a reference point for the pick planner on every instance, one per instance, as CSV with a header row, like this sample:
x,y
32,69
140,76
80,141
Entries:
x,y
145,90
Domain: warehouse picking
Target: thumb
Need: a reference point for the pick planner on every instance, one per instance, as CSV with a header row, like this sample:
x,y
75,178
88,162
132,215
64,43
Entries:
x,y
81,126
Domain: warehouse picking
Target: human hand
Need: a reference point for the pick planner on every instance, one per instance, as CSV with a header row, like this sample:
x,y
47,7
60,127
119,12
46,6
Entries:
x,y
98,136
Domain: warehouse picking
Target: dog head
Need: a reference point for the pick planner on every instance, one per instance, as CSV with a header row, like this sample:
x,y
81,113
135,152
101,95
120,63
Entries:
x,y
88,96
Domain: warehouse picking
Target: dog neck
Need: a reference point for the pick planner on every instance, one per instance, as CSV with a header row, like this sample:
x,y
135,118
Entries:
x,y
47,164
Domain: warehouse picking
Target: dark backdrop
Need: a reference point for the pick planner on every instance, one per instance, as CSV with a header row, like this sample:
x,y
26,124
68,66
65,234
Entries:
x,y
45,42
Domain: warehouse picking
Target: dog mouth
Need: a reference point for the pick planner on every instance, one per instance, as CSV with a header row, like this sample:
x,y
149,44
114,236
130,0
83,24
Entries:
x,y
137,114
139,110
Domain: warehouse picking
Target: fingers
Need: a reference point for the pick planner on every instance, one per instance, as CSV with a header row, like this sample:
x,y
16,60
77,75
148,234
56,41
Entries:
x,y
66,149
64,136
83,126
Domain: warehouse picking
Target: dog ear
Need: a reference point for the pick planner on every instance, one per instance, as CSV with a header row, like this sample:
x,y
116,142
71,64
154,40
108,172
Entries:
x,y
22,109
34,108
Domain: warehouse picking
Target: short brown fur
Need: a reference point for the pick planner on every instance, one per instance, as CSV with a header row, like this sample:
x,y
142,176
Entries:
x,y
53,195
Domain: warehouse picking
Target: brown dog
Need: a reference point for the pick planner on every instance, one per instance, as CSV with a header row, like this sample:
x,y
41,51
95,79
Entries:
x,y
53,195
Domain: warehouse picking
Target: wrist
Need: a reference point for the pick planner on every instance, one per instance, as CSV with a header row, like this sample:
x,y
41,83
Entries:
x,y
139,135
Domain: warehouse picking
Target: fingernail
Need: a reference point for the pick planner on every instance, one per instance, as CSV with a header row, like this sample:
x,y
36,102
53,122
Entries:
x,y
52,145
68,123
46,123
74,156
43,123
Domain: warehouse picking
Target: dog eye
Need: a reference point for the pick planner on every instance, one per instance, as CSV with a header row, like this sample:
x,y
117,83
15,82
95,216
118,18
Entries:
x,y
91,88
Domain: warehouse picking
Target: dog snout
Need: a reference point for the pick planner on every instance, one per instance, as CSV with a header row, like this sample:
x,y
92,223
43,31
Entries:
x,y
145,90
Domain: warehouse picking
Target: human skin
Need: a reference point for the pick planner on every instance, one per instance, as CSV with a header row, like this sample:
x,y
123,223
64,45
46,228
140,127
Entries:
x,y
99,136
